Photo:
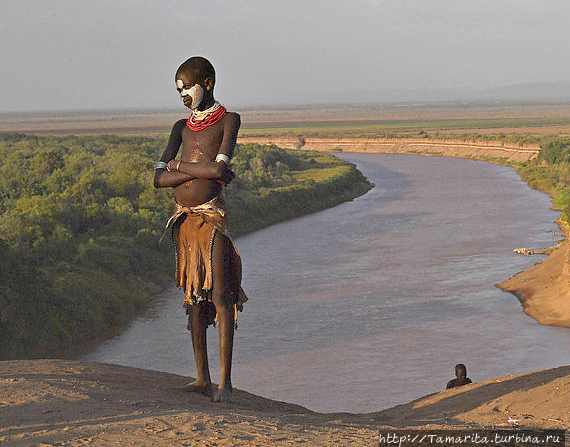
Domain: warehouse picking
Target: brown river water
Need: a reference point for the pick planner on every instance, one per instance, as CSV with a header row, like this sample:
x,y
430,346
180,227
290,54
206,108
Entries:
x,y
372,303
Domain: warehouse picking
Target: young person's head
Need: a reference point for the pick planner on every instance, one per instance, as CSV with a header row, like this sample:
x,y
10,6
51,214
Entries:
x,y
195,80
460,371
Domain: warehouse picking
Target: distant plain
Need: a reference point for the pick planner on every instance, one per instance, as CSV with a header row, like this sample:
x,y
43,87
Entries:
x,y
358,120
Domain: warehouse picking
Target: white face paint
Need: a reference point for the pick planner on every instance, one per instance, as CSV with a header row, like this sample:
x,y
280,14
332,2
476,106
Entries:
x,y
195,92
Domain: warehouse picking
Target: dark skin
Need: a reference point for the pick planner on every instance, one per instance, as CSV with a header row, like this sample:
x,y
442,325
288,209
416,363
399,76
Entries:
x,y
196,179
461,377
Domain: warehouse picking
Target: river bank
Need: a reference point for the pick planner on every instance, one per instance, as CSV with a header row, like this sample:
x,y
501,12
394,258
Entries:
x,y
544,290
77,403
423,146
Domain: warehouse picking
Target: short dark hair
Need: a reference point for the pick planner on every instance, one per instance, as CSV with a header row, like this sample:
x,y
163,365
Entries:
x,y
199,67
460,369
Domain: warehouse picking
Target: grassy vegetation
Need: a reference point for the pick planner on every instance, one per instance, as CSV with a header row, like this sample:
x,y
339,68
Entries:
x,y
80,222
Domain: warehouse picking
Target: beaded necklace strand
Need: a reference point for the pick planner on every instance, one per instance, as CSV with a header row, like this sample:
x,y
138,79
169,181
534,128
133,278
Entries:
x,y
200,119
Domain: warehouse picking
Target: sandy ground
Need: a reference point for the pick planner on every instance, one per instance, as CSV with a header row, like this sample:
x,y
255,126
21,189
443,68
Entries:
x,y
57,402
544,290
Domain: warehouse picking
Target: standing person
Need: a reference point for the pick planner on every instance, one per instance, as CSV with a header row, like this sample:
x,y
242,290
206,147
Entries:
x,y
208,267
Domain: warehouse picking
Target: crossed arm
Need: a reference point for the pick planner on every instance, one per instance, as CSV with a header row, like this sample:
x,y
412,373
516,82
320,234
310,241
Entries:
x,y
182,171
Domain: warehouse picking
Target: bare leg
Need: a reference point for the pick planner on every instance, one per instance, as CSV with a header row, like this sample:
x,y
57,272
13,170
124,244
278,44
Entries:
x,y
197,320
225,310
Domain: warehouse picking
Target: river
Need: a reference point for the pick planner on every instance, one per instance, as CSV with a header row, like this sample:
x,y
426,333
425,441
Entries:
x,y
372,303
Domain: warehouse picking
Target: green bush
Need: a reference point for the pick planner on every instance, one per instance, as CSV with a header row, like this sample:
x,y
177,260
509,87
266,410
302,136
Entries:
x,y
555,150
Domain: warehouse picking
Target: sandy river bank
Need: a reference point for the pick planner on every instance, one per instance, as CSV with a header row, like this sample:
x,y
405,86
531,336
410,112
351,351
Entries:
x,y
57,402
424,146
544,290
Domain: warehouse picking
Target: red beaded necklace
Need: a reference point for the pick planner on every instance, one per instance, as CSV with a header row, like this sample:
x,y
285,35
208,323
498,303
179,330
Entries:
x,y
197,125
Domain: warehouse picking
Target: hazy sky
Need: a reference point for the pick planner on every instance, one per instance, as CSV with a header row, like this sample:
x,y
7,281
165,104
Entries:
x,y
83,54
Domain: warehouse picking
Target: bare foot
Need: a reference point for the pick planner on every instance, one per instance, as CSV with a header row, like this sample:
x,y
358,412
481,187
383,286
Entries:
x,y
199,387
223,395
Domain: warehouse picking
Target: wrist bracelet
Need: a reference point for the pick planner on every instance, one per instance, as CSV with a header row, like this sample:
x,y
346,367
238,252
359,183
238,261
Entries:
x,y
223,157
161,165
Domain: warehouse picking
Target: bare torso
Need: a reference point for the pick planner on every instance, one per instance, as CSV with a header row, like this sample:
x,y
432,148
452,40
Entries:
x,y
199,146
196,177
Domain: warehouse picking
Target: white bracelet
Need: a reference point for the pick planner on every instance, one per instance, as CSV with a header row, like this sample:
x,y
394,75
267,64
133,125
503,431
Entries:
x,y
223,157
161,165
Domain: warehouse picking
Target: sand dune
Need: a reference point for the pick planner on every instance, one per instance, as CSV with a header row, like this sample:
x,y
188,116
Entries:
x,y
76,403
